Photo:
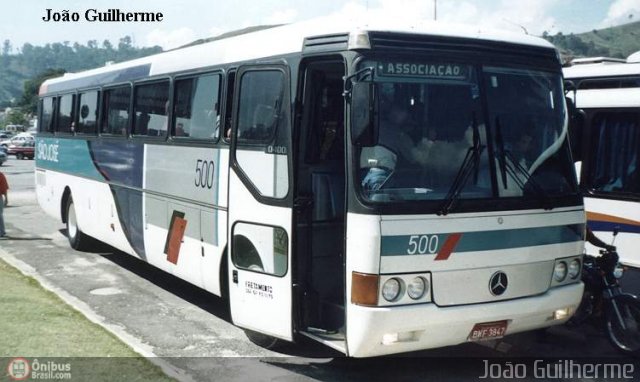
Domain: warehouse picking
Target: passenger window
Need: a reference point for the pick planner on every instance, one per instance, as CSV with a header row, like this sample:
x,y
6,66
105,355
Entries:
x,y
263,132
615,153
87,113
197,107
151,109
260,248
115,117
260,102
65,114
46,122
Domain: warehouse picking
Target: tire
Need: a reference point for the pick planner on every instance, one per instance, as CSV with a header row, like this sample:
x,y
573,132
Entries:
x,y
625,340
263,340
20,156
584,311
77,239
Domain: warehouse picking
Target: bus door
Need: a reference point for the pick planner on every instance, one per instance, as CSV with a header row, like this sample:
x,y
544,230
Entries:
x,y
260,202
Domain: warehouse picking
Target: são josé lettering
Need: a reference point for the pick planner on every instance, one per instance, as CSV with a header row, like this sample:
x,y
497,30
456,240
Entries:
x,y
94,15
48,152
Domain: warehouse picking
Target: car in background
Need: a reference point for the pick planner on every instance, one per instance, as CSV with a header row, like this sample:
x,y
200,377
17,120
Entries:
x,y
23,149
18,138
3,156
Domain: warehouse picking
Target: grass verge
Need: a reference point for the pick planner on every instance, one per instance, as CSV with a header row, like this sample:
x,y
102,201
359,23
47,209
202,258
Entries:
x,y
35,323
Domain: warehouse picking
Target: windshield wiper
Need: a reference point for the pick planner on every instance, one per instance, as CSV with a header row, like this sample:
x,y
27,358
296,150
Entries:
x,y
470,164
509,165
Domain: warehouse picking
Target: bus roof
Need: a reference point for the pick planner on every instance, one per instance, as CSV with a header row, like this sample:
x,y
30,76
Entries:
x,y
276,41
602,69
606,98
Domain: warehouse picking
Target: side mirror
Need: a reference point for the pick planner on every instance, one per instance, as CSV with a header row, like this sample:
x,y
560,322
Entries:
x,y
364,126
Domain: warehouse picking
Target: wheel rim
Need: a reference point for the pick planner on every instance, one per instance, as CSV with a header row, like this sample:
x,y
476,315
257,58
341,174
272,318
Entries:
x,y
72,224
629,339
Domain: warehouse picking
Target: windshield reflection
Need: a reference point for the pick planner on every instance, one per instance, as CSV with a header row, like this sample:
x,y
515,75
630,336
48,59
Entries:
x,y
432,137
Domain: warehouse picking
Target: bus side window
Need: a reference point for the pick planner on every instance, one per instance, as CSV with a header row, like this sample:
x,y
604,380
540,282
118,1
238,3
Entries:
x,y
65,114
88,113
151,109
263,131
115,116
45,126
196,112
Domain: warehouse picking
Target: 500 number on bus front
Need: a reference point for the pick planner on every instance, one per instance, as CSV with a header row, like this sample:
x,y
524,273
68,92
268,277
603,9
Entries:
x,y
205,174
423,244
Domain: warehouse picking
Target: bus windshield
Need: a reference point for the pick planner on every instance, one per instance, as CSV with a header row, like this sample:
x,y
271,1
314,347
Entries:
x,y
445,128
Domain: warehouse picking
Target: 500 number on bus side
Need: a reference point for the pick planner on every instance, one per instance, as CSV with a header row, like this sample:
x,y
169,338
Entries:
x,y
205,174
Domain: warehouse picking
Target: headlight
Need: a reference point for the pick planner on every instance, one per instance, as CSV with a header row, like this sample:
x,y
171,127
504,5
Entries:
x,y
574,269
618,271
417,288
391,289
560,271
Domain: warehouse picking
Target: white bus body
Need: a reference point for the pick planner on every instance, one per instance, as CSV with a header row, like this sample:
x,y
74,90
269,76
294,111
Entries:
x,y
294,219
608,144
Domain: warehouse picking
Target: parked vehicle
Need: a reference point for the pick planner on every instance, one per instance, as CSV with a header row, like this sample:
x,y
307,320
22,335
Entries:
x,y
24,149
3,156
22,137
604,303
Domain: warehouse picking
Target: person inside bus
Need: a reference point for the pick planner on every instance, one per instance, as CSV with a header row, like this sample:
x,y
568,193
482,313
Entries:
x,y
180,130
522,150
394,145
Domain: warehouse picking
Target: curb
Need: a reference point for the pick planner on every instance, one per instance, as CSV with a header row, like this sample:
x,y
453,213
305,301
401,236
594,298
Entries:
x,y
138,346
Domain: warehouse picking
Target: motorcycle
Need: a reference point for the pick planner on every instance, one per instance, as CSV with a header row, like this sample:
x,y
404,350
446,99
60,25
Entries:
x,y
605,304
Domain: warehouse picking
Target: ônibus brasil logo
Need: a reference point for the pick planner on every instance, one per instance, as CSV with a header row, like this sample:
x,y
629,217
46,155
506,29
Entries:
x,y
18,369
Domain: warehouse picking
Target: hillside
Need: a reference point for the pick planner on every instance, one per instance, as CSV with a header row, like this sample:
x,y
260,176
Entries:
x,y
32,61
619,41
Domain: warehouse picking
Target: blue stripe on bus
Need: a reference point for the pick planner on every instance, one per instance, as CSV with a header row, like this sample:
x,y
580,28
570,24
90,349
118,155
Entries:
x,y
483,240
119,162
72,156
112,77
598,225
129,206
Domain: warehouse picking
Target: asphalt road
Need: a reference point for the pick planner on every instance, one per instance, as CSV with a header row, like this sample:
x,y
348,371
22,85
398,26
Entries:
x,y
190,330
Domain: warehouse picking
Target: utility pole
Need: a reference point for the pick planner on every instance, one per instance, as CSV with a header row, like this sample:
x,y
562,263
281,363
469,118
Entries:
x,y
435,9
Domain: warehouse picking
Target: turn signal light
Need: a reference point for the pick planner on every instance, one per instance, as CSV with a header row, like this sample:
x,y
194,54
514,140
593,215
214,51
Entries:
x,y
364,289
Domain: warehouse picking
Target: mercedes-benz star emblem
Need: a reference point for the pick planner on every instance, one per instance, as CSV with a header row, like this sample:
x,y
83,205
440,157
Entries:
x,y
498,283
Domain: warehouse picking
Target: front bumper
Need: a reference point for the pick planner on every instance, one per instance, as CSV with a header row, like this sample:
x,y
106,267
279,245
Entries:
x,y
371,331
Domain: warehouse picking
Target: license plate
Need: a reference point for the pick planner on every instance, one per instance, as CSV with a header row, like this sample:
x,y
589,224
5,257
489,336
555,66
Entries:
x,y
488,330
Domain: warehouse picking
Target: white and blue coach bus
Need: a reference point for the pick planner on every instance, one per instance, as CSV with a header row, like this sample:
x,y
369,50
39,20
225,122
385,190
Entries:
x,y
606,144
379,188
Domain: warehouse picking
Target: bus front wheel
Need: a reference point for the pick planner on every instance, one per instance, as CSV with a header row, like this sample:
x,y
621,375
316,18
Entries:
x,y
77,239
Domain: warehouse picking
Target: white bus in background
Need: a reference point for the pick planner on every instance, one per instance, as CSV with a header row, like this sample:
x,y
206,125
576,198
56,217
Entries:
x,y
606,144
384,188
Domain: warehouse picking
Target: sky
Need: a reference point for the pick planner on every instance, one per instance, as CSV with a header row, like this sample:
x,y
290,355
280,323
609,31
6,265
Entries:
x,y
188,20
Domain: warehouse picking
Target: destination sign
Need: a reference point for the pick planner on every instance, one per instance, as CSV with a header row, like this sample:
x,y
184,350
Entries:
x,y
424,70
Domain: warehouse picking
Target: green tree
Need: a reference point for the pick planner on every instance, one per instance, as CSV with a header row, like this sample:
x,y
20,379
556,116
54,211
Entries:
x,y
15,117
29,100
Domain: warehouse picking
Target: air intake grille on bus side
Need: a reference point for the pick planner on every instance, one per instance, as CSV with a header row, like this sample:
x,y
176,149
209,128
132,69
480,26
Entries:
x,y
325,43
